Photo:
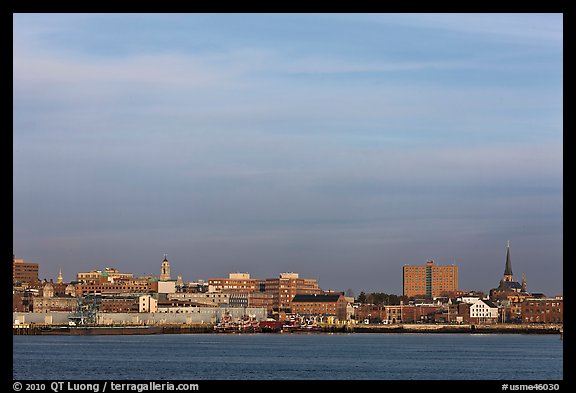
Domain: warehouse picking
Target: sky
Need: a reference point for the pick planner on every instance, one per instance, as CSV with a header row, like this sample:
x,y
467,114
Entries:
x,y
339,146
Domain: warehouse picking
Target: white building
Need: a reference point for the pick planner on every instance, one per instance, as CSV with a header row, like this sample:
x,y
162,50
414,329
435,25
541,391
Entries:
x,y
483,311
147,303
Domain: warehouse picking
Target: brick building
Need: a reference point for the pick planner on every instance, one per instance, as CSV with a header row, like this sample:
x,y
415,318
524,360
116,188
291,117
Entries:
x,y
111,304
234,282
111,281
261,300
417,313
543,310
371,312
429,281
24,272
286,286
320,304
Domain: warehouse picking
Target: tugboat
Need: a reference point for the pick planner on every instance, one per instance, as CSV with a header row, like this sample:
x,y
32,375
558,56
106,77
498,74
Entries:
x,y
300,324
246,324
249,324
226,325
271,326
292,324
312,326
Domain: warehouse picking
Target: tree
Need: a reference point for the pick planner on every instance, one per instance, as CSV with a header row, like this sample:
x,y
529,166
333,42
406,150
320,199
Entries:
x,y
362,298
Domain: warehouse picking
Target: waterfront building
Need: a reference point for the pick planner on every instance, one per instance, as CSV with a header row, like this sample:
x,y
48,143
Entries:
x,y
179,306
104,287
119,304
271,293
510,311
23,272
394,314
429,281
238,299
458,312
370,312
261,300
48,300
147,303
286,286
207,299
543,310
320,304
411,313
235,282
483,311
21,301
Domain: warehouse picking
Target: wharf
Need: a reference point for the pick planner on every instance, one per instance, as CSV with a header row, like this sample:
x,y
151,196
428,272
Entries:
x,y
43,329
454,328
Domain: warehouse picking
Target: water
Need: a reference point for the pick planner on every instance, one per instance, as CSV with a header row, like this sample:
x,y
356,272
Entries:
x,y
369,356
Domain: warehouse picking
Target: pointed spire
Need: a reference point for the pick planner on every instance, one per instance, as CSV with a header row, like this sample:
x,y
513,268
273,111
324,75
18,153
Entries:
x,y
523,282
508,269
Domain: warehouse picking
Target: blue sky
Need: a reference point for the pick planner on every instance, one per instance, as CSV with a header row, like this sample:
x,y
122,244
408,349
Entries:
x,y
340,146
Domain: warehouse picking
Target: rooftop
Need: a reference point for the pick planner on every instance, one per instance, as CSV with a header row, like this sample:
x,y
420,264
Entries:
x,y
315,298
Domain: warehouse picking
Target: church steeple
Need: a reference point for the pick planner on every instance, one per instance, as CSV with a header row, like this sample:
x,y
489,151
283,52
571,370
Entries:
x,y
508,270
523,282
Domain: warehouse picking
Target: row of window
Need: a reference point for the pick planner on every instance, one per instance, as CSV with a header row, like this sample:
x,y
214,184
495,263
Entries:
x,y
99,287
481,314
537,319
539,311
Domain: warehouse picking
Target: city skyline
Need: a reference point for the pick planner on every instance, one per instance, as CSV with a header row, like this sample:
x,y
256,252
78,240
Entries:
x,y
339,146
165,269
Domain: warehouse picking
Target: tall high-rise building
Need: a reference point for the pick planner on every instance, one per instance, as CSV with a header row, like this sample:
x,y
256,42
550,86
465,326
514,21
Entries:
x,y
24,272
429,281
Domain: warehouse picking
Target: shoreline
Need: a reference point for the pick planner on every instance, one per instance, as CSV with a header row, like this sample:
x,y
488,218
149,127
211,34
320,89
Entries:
x,y
34,329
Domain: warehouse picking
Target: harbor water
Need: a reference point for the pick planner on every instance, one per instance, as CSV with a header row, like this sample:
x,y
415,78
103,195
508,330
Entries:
x,y
290,357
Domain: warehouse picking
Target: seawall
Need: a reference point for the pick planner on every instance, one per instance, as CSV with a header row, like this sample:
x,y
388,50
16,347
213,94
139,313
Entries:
x,y
42,329
449,328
